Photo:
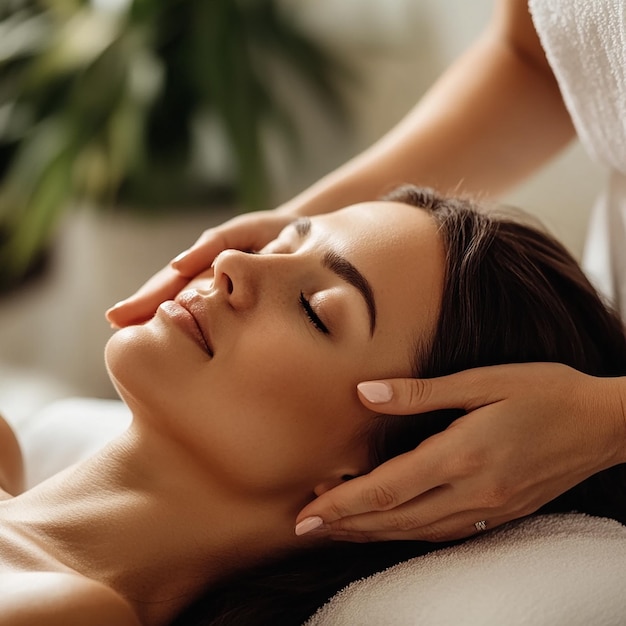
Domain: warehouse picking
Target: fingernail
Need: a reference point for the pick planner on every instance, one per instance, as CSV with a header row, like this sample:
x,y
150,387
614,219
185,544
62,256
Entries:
x,y
308,524
113,309
180,257
117,305
376,392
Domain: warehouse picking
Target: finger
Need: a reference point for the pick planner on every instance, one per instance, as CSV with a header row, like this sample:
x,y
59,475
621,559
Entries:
x,y
201,254
465,390
388,486
452,528
424,510
249,232
142,305
407,519
437,515
460,526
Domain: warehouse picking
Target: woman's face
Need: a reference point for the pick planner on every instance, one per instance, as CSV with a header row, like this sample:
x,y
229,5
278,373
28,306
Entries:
x,y
255,365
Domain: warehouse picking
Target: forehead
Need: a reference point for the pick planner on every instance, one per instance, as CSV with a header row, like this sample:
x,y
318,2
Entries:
x,y
383,221
399,250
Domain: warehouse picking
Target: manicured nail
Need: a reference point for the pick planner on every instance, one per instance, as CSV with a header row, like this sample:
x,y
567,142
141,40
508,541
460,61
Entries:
x,y
118,305
114,308
180,257
376,392
308,524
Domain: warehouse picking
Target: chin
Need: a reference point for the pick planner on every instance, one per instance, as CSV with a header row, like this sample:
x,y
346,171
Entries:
x,y
148,366
119,358
133,357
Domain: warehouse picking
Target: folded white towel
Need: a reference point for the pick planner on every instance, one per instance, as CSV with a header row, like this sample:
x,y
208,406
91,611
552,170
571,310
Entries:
x,y
552,570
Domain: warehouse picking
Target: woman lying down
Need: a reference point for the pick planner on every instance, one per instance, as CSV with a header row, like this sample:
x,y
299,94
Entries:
x,y
244,403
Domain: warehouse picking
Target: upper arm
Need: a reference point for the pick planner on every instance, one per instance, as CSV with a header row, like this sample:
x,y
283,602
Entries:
x,y
54,599
514,26
535,97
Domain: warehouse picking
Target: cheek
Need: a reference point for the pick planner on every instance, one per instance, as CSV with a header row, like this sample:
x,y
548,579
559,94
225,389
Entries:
x,y
286,371
283,419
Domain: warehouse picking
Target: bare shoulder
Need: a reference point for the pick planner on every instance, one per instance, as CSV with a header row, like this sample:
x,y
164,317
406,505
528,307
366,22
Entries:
x,y
57,599
11,462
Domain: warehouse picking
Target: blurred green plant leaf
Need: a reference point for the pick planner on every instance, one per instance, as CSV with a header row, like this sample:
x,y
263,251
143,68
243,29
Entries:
x,y
109,107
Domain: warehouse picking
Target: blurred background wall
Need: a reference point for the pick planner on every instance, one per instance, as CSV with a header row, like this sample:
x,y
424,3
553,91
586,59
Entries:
x,y
54,330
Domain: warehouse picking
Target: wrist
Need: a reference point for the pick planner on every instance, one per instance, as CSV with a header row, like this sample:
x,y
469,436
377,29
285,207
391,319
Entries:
x,y
620,392
357,181
613,416
310,202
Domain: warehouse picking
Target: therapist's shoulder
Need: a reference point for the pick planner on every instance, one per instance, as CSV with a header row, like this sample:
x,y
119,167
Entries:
x,y
59,599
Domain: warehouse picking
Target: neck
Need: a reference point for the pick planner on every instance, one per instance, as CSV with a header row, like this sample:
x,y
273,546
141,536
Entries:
x,y
142,510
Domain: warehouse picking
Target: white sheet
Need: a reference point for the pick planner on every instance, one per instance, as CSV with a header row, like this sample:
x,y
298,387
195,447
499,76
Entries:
x,y
67,431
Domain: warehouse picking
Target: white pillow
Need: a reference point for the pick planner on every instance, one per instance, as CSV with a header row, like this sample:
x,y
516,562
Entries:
x,y
553,570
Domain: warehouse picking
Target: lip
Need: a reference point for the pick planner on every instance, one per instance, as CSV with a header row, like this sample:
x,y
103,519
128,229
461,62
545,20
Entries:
x,y
187,313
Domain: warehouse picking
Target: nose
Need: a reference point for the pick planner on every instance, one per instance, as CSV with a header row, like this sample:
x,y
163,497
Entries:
x,y
236,275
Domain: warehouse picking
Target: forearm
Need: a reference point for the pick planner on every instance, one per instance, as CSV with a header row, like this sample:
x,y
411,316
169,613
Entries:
x,y
492,118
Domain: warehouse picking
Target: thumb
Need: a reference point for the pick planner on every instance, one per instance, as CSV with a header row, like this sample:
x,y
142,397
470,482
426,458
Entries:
x,y
402,396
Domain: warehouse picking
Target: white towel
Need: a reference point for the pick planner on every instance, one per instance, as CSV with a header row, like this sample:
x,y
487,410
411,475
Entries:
x,y
567,569
585,44
65,432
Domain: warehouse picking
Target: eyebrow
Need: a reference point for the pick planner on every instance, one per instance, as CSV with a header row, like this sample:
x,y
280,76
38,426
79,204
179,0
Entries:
x,y
338,264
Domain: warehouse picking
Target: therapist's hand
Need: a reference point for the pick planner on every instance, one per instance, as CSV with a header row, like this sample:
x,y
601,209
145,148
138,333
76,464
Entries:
x,y
250,231
531,432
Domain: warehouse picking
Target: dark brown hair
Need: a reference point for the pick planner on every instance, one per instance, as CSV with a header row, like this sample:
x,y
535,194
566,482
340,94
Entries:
x,y
512,293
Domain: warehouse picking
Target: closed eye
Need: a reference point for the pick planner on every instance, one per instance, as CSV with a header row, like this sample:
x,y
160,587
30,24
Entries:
x,y
312,315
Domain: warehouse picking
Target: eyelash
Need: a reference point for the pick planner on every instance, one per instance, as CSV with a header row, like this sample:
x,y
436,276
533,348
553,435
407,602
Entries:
x,y
312,315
